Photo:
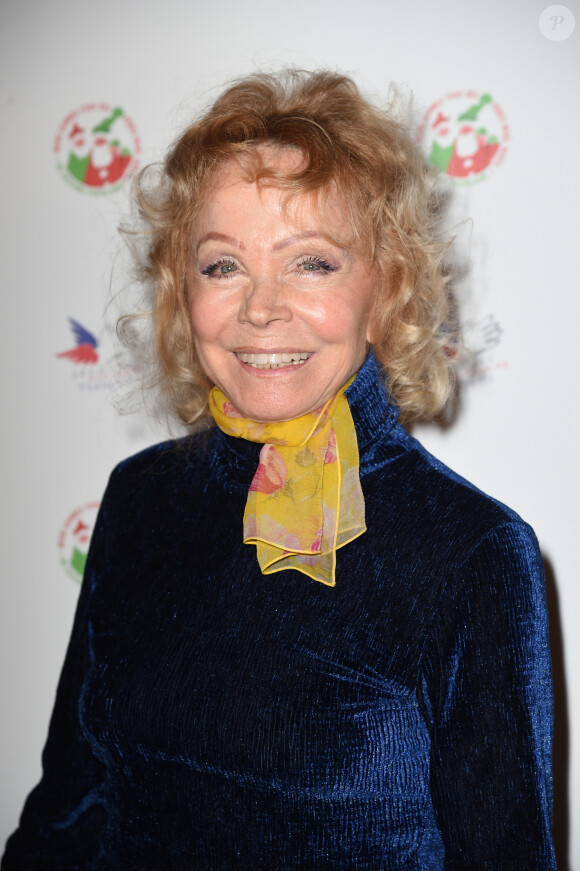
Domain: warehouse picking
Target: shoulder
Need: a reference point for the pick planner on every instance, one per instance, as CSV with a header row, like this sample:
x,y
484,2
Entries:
x,y
448,515
165,454
158,478
490,583
150,495
493,553
161,463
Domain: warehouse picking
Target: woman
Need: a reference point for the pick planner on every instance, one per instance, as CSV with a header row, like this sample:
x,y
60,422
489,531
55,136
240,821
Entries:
x,y
301,642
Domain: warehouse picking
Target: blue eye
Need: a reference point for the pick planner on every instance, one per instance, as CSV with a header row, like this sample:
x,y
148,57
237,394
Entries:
x,y
220,268
315,264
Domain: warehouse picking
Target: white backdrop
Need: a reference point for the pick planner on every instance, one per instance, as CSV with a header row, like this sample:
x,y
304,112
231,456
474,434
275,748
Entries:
x,y
160,62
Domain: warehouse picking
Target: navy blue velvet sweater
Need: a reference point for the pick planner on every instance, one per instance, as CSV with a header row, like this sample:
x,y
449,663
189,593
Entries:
x,y
211,717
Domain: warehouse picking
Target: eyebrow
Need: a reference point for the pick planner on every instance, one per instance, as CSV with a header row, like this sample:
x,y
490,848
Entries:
x,y
291,240
221,237
311,234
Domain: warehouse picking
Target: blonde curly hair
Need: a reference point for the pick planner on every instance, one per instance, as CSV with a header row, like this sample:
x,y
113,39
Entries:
x,y
349,146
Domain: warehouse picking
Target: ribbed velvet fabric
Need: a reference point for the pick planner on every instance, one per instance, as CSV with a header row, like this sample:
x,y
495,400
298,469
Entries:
x,y
212,717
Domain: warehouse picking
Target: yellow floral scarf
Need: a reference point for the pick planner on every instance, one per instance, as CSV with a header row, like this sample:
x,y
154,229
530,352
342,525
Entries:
x,y
305,500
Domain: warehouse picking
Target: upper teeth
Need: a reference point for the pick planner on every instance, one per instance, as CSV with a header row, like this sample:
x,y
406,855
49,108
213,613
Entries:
x,y
272,361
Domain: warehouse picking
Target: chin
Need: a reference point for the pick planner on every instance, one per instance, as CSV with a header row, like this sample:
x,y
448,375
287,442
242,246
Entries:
x,y
271,415
273,411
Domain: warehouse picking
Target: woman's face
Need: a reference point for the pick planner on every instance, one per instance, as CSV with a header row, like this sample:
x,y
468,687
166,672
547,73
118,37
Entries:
x,y
281,314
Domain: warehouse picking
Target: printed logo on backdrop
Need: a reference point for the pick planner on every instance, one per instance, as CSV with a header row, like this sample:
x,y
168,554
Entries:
x,y
464,135
93,363
74,539
483,358
97,148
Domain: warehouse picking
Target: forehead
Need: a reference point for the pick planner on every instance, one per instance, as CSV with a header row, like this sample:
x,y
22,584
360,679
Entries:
x,y
261,189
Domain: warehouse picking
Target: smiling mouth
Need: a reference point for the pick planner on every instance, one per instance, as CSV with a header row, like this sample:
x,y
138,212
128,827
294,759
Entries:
x,y
275,361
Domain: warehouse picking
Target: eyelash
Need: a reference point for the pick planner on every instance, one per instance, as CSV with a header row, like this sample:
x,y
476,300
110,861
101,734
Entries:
x,y
210,270
325,267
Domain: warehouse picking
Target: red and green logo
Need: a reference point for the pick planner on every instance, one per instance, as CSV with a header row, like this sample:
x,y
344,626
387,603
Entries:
x,y
74,538
464,134
97,148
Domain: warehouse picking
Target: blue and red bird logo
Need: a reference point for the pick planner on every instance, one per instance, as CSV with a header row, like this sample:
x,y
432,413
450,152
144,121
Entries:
x,y
85,350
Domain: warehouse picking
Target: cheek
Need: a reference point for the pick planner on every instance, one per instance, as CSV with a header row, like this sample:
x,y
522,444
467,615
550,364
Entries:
x,y
341,322
198,322
206,317
206,336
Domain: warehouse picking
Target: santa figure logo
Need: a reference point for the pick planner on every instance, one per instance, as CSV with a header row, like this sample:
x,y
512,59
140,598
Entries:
x,y
97,147
464,135
74,538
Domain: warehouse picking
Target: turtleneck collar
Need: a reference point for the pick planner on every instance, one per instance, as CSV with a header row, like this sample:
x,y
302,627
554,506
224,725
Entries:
x,y
374,416
373,413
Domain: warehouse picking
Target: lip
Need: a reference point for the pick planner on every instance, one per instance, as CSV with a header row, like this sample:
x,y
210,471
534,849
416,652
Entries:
x,y
270,360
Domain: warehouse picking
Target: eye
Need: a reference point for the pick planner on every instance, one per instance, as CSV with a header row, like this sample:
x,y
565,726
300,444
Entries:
x,y
315,264
220,269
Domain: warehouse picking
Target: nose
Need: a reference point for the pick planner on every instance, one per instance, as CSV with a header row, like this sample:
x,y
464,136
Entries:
x,y
264,302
